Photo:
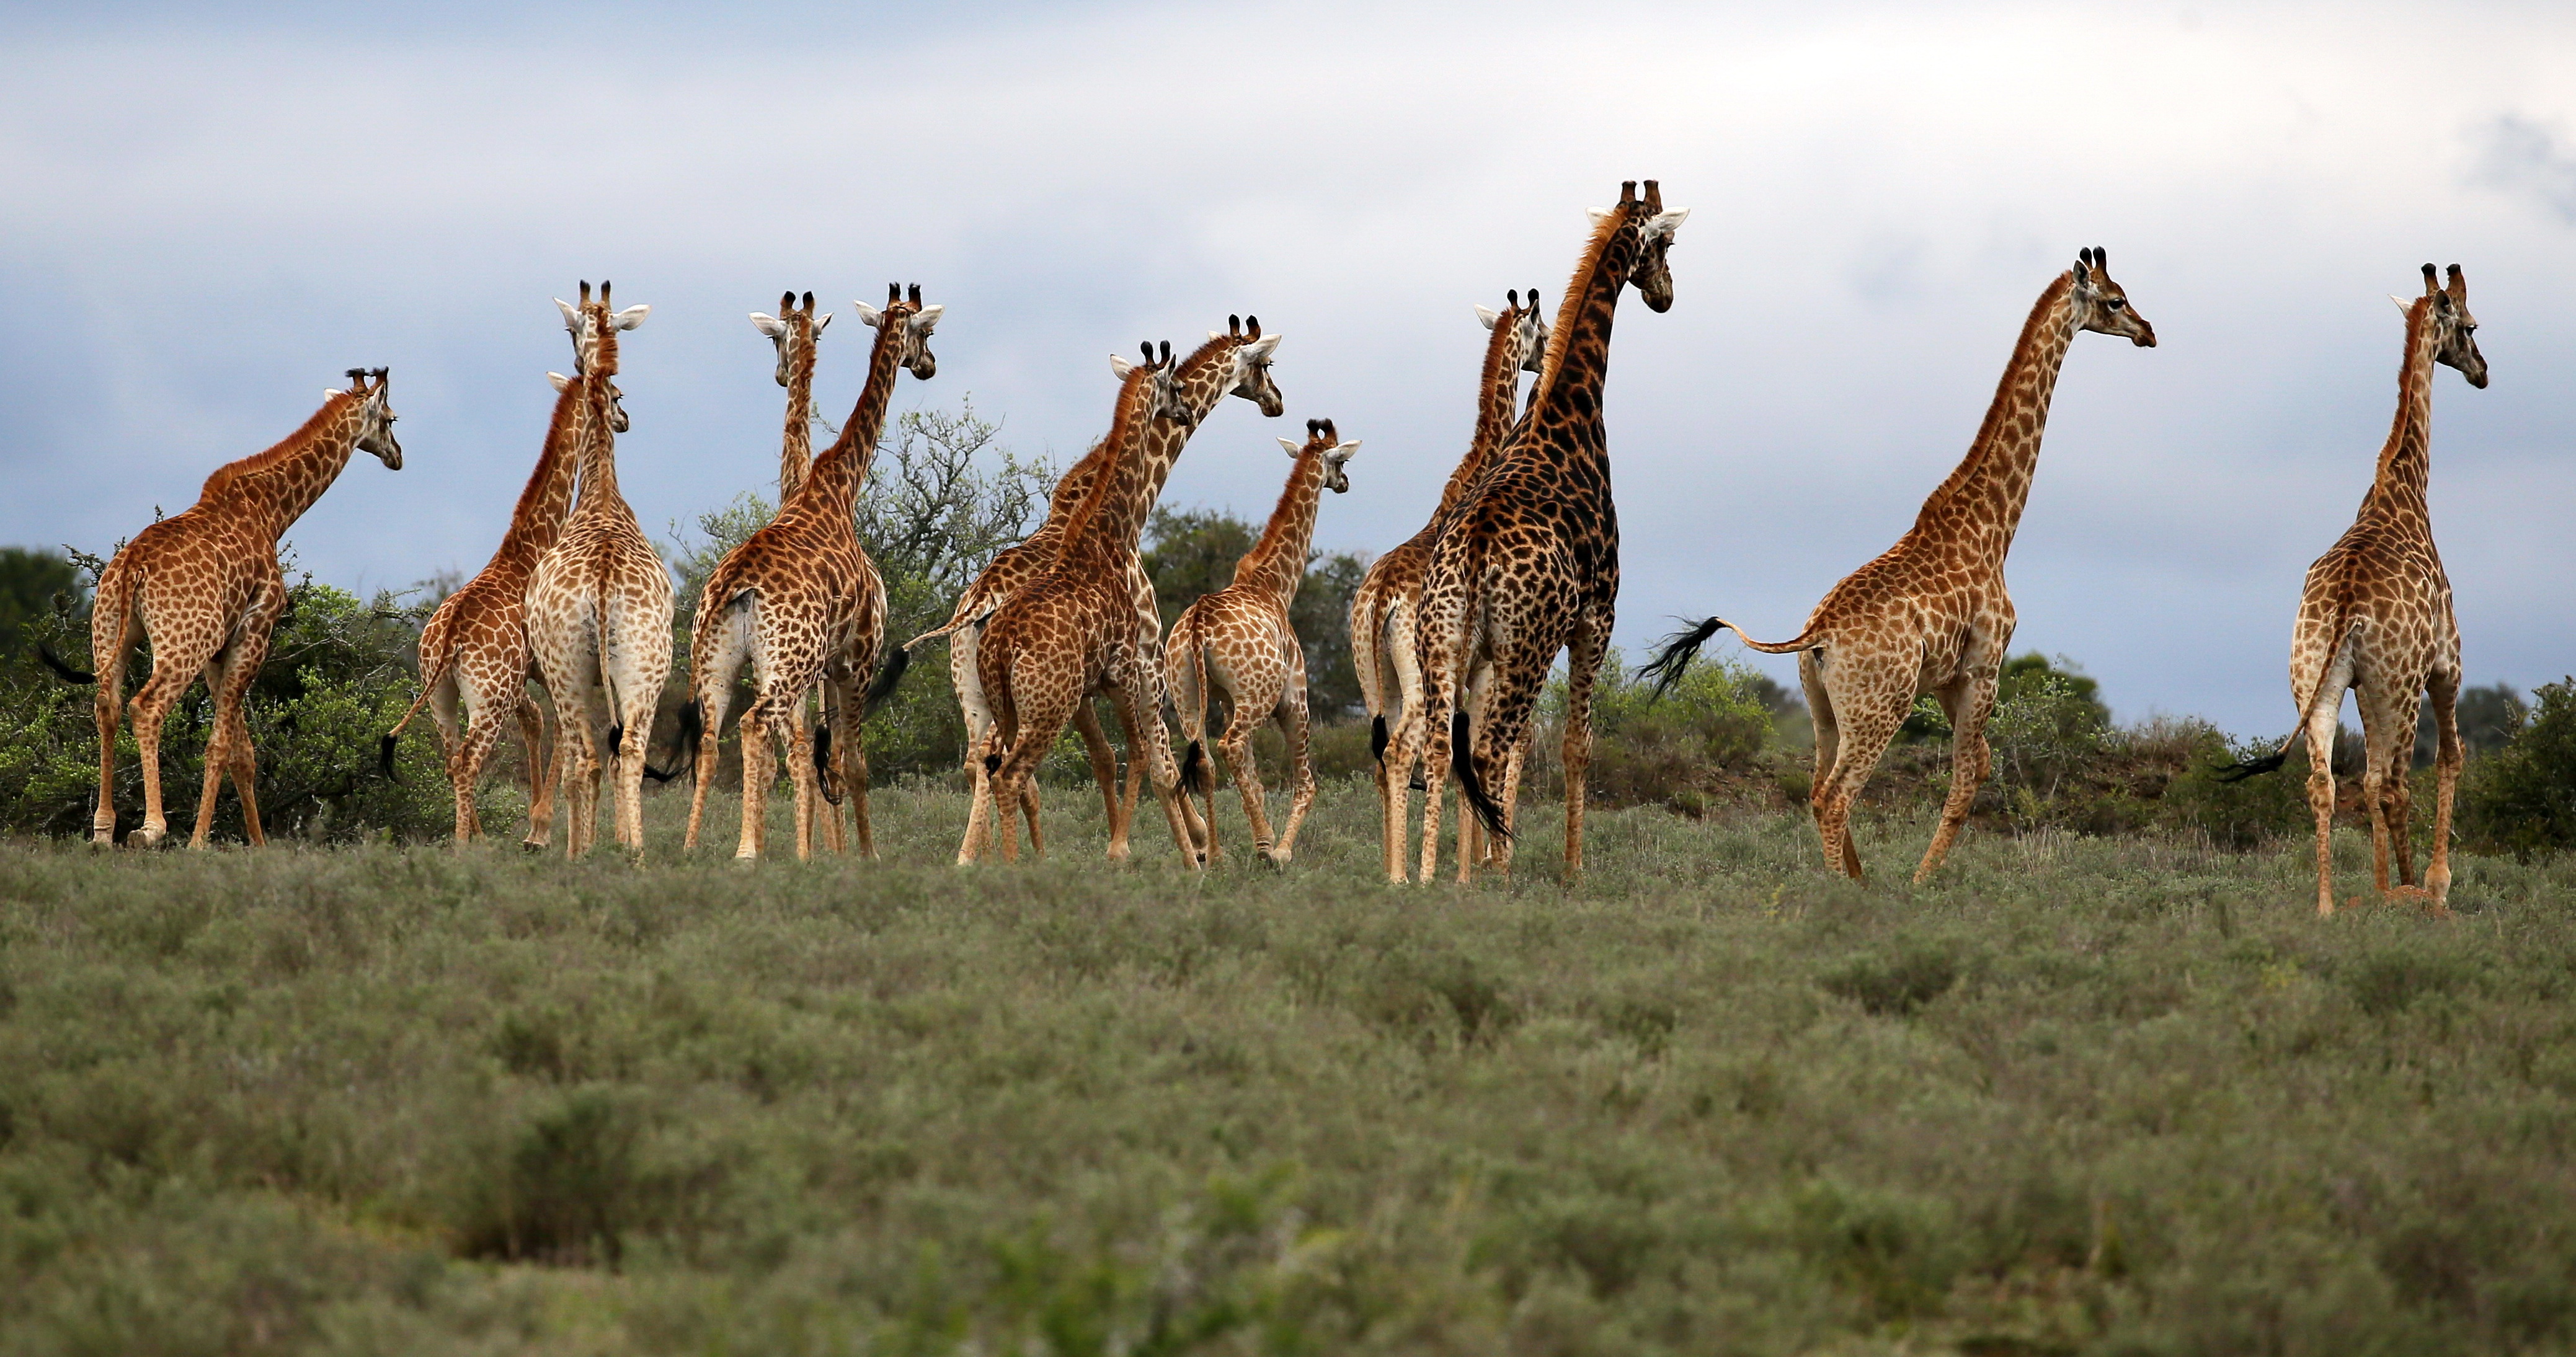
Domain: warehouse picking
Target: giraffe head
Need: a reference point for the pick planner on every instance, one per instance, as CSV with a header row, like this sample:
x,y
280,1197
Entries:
x,y
616,399
375,416
2455,331
1526,338
1323,442
2100,305
1252,350
908,323
792,330
590,320
1650,271
1165,400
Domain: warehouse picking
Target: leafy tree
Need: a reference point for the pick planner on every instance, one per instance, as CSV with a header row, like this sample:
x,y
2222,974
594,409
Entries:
x,y
34,584
2488,718
2522,798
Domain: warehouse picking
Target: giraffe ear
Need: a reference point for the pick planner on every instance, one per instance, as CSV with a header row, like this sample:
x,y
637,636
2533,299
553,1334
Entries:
x,y
631,317
1489,316
1260,349
926,320
572,318
2404,307
1597,214
869,316
1120,366
1342,452
822,322
559,382
771,326
1664,224
1294,450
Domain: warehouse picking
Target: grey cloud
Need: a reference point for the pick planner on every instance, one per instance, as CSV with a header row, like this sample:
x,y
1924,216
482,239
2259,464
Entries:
x,y
2525,157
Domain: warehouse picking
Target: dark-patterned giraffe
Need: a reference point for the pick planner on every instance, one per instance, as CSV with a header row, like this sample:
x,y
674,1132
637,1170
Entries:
x,y
1529,564
2376,618
1240,644
1931,614
801,602
203,588
1070,633
474,661
599,617
1383,607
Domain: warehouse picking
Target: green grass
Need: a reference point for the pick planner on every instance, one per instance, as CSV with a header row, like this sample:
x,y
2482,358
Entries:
x,y
2083,1095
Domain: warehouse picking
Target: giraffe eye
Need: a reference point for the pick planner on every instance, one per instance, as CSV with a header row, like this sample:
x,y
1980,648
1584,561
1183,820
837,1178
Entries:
x,y
2468,329
2113,303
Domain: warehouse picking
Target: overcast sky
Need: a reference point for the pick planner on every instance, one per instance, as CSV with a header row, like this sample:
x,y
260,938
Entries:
x,y
209,216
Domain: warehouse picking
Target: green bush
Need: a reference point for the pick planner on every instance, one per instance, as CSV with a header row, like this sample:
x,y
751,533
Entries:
x,y
1679,751
2521,799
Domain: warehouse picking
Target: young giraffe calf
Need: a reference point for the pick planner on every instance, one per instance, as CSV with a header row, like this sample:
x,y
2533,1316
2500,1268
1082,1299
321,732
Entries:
x,y
203,587
1239,642
2376,618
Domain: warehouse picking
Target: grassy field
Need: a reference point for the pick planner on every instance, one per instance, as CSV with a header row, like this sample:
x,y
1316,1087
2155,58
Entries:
x,y
2115,1095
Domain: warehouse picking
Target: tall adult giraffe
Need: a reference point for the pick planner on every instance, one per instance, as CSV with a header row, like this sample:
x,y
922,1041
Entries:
x,y
801,602
1529,564
599,616
1931,614
1239,642
2376,617
1234,361
1383,607
474,660
203,587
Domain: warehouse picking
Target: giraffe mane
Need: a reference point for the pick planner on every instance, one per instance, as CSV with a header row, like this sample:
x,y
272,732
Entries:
x,y
568,406
1990,426
1207,352
1308,467
285,449
1124,428
2419,313
1571,305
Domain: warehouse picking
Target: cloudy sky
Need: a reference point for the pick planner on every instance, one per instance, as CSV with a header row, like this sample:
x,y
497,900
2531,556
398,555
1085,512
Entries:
x,y
209,216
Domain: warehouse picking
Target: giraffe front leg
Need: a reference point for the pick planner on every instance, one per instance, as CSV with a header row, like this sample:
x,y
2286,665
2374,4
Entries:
x,y
1868,727
230,680
1293,726
2447,757
533,747
1970,702
474,745
151,706
218,756
2388,715
1104,771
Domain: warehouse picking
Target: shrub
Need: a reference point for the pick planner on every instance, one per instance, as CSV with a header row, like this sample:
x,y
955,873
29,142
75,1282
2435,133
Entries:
x,y
1678,751
2522,798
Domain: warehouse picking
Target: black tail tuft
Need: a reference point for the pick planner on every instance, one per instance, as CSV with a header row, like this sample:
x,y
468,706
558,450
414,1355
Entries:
x,y
889,673
385,758
823,763
992,764
693,725
1377,739
1195,777
61,670
616,740
1462,761
1678,650
2238,772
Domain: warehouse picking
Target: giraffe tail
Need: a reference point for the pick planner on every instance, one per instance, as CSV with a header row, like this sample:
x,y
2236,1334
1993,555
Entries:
x,y
2326,692
62,669
430,674
1680,648
889,674
1462,761
1366,623
1189,700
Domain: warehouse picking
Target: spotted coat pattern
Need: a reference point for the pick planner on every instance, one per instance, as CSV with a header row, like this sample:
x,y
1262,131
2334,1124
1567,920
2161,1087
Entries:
x,y
2376,617
203,588
802,604
1383,607
1239,643
1529,564
599,619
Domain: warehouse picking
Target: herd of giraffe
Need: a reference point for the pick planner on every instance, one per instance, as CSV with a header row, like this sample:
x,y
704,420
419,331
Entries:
x,y
1454,632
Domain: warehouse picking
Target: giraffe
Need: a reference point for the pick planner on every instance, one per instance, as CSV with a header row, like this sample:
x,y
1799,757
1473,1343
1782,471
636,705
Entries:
x,y
1931,613
1382,608
203,588
599,616
474,658
1239,641
2376,617
1529,562
1074,632
795,333
1234,361
800,602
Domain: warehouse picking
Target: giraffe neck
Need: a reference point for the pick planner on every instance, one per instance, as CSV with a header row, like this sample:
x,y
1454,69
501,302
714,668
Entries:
x,y
538,518
1980,505
1277,563
2406,461
599,494
273,489
1201,382
1497,407
1087,538
833,484
796,446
